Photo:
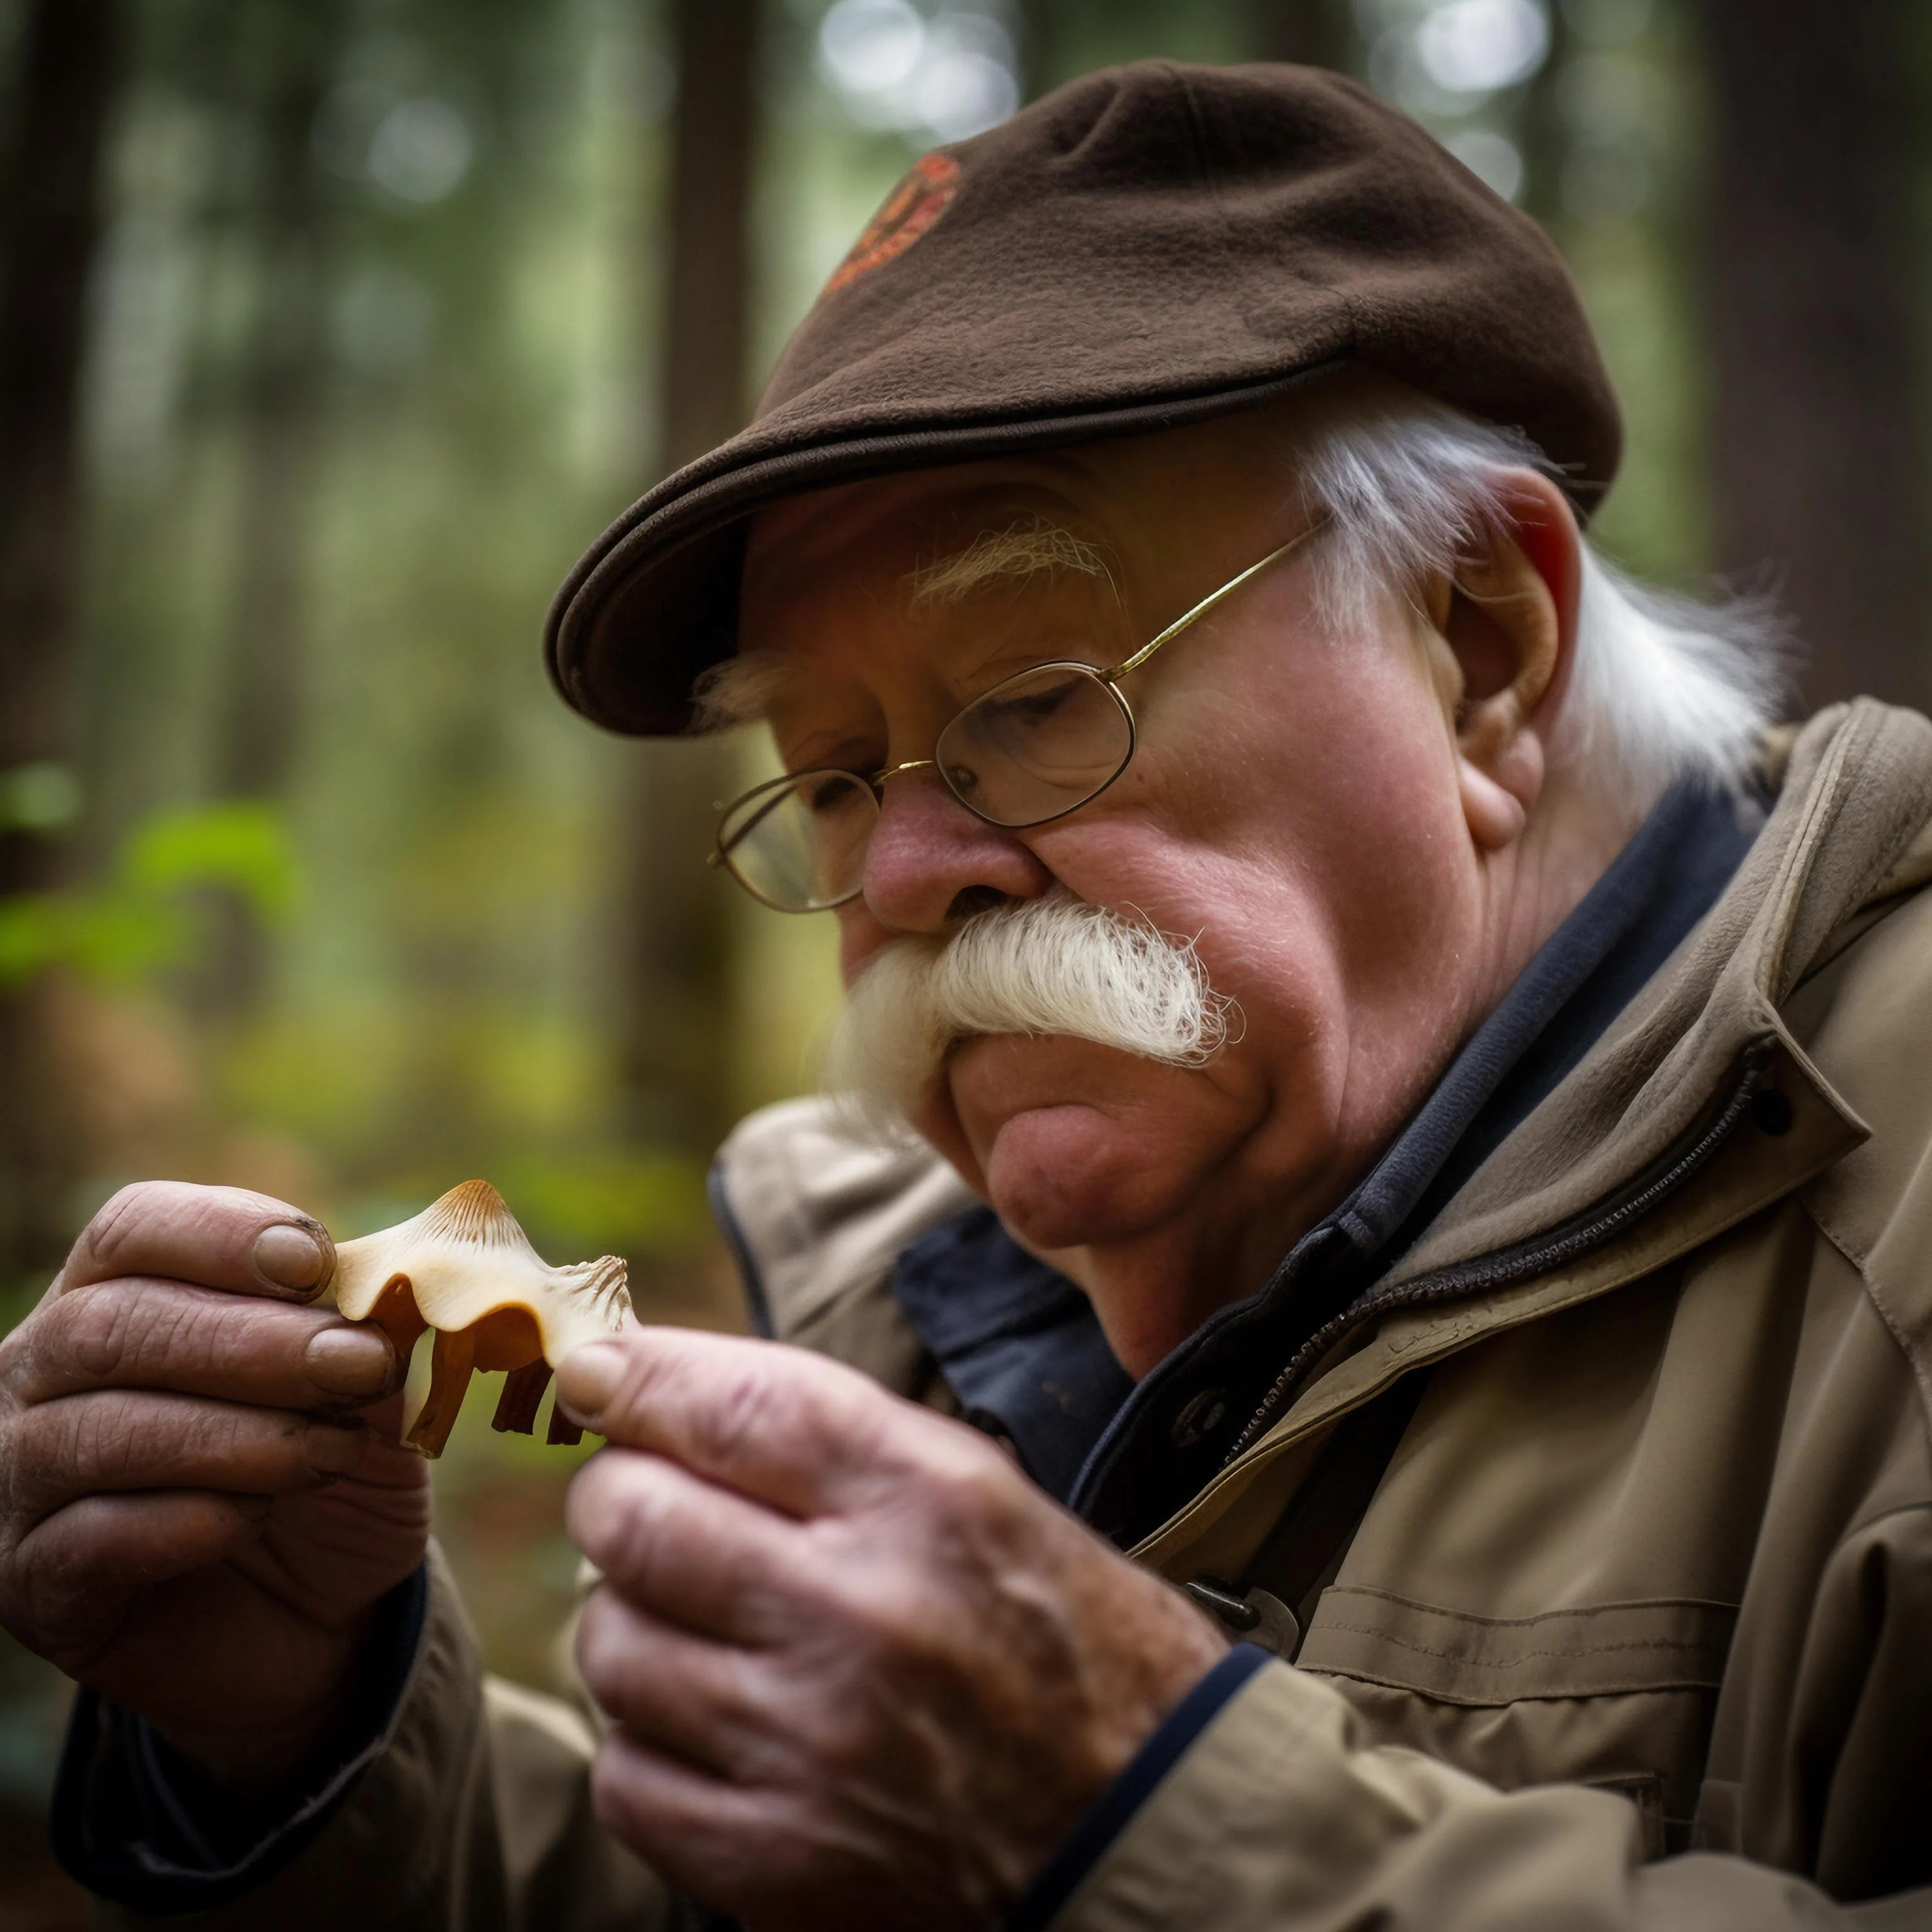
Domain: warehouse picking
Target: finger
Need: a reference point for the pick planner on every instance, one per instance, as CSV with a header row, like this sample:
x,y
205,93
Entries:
x,y
688,1551
710,1703
797,1430
721,1843
223,1237
72,1574
120,1439
142,1333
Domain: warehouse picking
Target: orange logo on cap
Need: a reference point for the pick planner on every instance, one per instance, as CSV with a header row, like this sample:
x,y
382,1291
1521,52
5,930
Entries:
x,y
908,212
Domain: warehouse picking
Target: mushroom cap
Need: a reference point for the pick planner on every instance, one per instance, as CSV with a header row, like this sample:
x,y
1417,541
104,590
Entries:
x,y
464,1258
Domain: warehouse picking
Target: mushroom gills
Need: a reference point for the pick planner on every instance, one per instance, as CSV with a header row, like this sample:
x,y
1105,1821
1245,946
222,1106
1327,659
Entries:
x,y
465,1269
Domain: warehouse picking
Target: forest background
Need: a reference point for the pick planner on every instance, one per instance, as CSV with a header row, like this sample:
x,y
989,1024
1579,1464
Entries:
x,y
329,335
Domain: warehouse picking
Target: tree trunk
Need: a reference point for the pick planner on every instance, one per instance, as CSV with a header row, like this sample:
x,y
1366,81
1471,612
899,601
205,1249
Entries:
x,y
51,227
1814,332
708,314
1315,33
677,1062
52,222
281,401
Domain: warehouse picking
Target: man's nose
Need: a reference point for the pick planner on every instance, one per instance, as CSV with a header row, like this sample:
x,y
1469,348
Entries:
x,y
930,862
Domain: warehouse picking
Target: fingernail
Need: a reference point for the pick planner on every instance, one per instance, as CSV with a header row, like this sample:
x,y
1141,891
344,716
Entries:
x,y
289,1256
334,1451
588,1378
350,1361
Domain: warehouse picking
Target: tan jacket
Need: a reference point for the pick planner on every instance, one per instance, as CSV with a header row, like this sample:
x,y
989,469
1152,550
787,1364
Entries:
x,y
1637,1629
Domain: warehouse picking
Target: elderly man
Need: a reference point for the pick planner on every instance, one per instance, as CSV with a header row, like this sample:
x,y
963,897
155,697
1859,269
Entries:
x,y
1405,1345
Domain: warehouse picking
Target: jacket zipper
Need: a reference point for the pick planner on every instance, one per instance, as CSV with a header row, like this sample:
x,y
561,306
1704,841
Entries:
x,y
1511,1265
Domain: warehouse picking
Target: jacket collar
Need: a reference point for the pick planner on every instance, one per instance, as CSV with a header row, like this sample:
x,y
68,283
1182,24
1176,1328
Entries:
x,y
1240,1367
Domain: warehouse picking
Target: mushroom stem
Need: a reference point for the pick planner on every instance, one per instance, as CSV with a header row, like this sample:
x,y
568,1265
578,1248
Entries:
x,y
522,1390
451,1364
562,1429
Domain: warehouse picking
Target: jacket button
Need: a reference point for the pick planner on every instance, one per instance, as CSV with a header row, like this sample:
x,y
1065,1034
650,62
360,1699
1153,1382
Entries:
x,y
1200,1415
1772,1110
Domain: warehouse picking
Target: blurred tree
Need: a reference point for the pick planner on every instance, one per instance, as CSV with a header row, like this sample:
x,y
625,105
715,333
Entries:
x,y
1815,331
1059,39
675,1008
1545,128
297,50
1317,33
713,145
67,65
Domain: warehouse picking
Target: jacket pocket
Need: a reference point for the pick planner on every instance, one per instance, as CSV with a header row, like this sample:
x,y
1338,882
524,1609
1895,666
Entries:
x,y
1597,1651
1616,1696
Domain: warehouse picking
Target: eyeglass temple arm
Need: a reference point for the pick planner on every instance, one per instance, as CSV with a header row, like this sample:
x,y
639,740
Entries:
x,y
1207,603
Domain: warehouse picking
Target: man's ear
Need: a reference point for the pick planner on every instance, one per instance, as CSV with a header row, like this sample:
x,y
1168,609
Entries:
x,y
1509,621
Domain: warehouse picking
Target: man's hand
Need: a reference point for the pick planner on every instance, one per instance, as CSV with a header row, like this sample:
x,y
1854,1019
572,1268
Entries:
x,y
194,1518
862,1671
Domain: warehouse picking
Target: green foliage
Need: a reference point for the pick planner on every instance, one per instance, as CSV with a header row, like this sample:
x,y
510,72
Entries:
x,y
242,845
40,797
143,916
619,1201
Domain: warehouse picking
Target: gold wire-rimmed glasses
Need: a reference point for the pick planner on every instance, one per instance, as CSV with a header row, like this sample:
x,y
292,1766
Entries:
x,y
1037,745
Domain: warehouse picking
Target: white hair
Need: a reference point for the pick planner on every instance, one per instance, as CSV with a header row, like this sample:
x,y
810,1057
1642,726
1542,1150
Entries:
x,y
1661,686
1051,965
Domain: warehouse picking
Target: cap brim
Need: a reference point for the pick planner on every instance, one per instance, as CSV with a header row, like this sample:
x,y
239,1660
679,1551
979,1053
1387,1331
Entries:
x,y
653,603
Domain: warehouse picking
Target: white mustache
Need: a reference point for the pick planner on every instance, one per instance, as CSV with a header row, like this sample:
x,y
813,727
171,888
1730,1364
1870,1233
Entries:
x,y
1054,965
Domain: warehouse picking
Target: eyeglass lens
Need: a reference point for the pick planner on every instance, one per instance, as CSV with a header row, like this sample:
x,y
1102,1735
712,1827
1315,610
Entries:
x,y
1037,745
1031,749
799,843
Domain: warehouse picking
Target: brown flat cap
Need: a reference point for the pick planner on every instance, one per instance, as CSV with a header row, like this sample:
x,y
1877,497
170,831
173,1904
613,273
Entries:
x,y
1143,248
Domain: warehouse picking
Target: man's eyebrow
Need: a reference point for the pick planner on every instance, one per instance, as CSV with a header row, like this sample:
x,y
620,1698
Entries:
x,y
739,691
1028,547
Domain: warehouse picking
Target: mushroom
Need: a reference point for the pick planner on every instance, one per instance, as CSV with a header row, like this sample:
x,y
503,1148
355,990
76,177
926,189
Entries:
x,y
463,1267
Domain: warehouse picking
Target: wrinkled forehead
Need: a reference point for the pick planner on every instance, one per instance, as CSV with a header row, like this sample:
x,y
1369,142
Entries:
x,y
883,539
917,566
908,571
1125,495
